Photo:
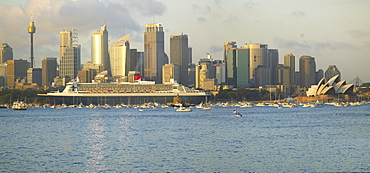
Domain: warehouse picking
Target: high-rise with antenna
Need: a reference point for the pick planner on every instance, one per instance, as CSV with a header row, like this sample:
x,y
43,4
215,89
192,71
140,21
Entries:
x,y
31,30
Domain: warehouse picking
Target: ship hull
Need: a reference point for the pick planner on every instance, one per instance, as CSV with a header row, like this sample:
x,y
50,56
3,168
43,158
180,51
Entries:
x,y
113,99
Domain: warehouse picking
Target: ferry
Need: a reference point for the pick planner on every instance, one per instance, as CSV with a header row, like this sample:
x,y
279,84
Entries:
x,y
138,92
19,105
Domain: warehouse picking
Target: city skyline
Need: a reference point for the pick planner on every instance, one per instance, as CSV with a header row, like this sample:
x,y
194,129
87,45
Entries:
x,y
334,32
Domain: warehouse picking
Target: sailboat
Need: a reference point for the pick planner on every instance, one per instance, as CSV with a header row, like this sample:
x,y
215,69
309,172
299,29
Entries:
x,y
207,106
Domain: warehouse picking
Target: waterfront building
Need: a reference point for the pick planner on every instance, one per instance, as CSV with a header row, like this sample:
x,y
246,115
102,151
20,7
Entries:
x,y
99,48
171,71
154,56
119,53
70,54
6,53
333,86
307,71
332,71
16,71
238,67
289,61
272,62
34,76
49,70
179,55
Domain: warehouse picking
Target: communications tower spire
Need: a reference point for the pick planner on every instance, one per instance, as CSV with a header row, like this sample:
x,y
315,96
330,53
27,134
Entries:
x,y
31,30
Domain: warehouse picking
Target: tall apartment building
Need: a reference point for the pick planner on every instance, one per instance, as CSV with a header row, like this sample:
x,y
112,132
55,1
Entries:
x,y
16,70
49,70
179,55
6,53
154,56
307,71
70,55
99,48
119,53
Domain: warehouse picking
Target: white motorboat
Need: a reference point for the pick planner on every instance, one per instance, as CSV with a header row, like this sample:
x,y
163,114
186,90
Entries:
x,y
183,109
238,114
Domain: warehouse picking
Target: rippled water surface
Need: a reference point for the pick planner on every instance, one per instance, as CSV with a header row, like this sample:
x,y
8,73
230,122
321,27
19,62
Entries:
x,y
265,139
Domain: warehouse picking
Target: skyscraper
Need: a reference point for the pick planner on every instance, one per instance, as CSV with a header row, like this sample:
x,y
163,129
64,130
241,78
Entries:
x,y
119,52
289,61
228,45
238,67
99,48
170,71
272,62
49,70
31,30
70,55
179,55
154,56
34,75
307,71
17,69
331,72
258,57
6,53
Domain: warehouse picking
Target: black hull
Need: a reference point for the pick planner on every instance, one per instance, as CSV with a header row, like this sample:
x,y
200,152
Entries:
x,y
128,100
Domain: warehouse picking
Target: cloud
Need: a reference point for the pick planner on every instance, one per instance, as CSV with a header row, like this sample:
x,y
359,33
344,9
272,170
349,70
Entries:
x,y
201,19
201,9
358,34
250,5
52,16
298,13
215,49
309,46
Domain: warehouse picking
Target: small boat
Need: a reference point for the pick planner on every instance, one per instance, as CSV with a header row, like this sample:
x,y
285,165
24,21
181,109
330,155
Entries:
x,y
238,114
234,111
19,105
183,109
208,107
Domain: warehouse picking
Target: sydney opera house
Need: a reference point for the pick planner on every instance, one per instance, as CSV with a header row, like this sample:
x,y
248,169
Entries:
x,y
332,86
328,90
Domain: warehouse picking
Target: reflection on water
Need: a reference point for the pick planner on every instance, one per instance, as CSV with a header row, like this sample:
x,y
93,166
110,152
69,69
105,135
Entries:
x,y
97,141
265,139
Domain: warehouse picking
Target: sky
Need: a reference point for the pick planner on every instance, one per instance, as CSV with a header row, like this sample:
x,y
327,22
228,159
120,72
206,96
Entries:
x,y
335,32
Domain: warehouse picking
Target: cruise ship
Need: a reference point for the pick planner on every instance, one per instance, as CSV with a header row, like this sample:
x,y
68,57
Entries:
x,y
138,92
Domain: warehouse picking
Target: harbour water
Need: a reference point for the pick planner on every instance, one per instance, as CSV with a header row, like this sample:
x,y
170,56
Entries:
x,y
265,139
